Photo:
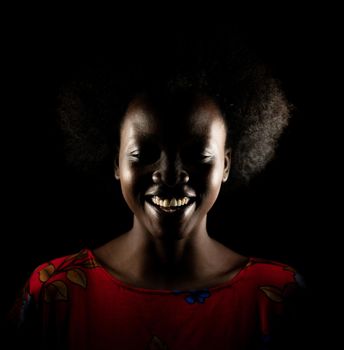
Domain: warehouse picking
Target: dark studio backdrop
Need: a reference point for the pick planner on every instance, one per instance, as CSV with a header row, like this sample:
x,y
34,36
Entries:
x,y
52,209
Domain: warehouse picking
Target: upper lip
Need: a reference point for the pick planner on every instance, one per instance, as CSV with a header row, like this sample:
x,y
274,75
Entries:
x,y
168,194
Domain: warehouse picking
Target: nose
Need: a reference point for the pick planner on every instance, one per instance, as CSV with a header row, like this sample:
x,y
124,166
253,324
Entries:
x,y
170,172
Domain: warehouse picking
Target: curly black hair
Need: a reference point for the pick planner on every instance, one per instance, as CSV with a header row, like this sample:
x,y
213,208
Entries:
x,y
92,104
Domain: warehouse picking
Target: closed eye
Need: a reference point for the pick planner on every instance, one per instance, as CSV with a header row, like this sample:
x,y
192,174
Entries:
x,y
198,157
205,158
145,156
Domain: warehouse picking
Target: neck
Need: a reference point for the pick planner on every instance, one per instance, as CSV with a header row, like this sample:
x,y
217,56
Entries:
x,y
169,259
141,259
168,249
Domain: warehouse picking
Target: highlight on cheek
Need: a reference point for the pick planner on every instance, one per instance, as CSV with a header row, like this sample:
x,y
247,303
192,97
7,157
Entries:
x,y
171,169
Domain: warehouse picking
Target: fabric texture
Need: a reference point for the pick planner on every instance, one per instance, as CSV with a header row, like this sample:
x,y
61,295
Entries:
x,y
74,303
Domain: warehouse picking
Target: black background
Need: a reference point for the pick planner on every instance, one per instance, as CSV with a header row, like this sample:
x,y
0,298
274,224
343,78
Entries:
x,y
286,214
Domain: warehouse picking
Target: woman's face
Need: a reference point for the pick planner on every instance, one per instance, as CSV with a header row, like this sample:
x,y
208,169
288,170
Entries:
x,y
172,161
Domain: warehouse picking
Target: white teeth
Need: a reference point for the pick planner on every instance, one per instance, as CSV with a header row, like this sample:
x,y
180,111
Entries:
x,y
166,203
173,202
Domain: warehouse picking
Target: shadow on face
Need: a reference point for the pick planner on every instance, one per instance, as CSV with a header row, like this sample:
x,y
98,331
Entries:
x,y
172,161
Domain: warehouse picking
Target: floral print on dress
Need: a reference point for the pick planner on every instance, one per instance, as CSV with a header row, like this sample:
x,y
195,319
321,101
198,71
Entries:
x,y
194,296
278,294
73,267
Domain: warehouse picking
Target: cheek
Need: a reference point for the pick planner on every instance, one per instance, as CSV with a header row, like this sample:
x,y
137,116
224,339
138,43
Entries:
x,y
127,174
215,182
209,181
128,180
133,183
215,177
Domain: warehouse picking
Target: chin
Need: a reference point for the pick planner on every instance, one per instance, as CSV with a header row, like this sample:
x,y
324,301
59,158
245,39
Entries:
x,y
168,222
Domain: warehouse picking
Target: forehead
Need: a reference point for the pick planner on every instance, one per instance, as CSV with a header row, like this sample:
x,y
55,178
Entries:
x,y
196,118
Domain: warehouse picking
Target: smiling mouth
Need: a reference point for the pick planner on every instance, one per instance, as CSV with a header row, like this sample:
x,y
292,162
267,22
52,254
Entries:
x,y
170,205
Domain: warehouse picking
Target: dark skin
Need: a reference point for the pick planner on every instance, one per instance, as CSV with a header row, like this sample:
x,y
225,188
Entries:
x,y
171,164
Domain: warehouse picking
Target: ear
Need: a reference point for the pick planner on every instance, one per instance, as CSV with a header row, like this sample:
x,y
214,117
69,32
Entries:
x,y
227,165
116,165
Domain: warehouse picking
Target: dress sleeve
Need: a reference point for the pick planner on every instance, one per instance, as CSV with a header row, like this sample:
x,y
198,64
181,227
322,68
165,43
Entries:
x,y
22,321
290,328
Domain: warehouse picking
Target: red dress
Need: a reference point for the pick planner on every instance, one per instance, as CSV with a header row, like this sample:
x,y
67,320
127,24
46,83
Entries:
x,y
74,303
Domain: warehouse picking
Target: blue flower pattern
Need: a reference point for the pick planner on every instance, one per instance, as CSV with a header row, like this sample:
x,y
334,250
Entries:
x,y
194,296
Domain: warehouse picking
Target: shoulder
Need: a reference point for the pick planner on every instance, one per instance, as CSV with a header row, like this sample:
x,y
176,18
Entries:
x,y
276,280
51,280
270,271
283,304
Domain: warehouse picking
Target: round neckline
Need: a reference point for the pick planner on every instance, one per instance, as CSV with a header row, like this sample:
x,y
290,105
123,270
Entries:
x,y
128,286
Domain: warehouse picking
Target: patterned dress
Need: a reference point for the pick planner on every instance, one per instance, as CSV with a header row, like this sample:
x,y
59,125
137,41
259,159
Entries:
x,y
74,303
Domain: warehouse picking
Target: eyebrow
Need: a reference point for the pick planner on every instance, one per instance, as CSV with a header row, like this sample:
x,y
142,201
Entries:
x,y
134,141
144,137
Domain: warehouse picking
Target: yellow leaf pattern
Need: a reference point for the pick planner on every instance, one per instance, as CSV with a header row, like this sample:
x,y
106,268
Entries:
x,y
73,269
273,293
77,276
56,290
46,272
90,264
